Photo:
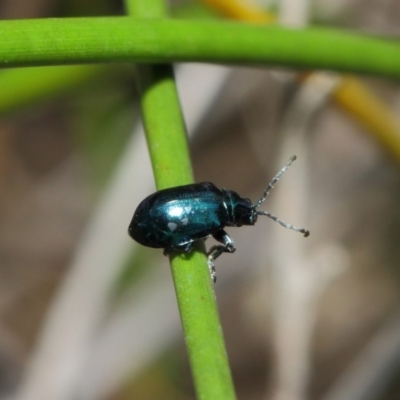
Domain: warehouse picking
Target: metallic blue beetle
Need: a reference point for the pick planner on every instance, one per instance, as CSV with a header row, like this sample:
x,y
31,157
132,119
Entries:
x,y
174,219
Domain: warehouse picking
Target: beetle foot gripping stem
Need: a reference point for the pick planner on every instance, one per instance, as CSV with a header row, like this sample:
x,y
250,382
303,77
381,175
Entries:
x,y
211,267
228,246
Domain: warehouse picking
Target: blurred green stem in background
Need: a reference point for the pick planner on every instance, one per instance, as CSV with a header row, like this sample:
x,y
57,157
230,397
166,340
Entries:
x,y
20,88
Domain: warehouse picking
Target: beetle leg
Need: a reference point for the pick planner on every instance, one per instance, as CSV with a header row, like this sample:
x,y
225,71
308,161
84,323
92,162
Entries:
x,y
211,268
183,248
228,246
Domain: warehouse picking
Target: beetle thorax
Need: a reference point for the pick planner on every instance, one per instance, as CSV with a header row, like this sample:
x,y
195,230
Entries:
x,y
240,210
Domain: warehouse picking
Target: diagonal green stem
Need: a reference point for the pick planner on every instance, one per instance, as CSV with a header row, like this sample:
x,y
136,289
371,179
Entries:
x,y
88,40
166,137
20,88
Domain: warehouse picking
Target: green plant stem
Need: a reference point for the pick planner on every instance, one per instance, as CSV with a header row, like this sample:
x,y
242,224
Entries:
x,y
146,9
164,126
89,40
171,164
167,141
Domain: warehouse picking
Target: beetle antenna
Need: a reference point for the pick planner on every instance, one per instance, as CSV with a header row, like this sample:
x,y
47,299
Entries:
x,y
272,183
305,232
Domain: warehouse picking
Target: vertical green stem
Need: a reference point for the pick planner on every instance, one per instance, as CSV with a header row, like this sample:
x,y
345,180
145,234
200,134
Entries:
x,y
164,126
167,141
146,9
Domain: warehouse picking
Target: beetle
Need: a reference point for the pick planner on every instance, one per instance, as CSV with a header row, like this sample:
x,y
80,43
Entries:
x,y
175,218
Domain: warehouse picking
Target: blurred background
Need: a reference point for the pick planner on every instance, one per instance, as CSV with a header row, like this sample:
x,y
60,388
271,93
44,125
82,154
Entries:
x,y
87,314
